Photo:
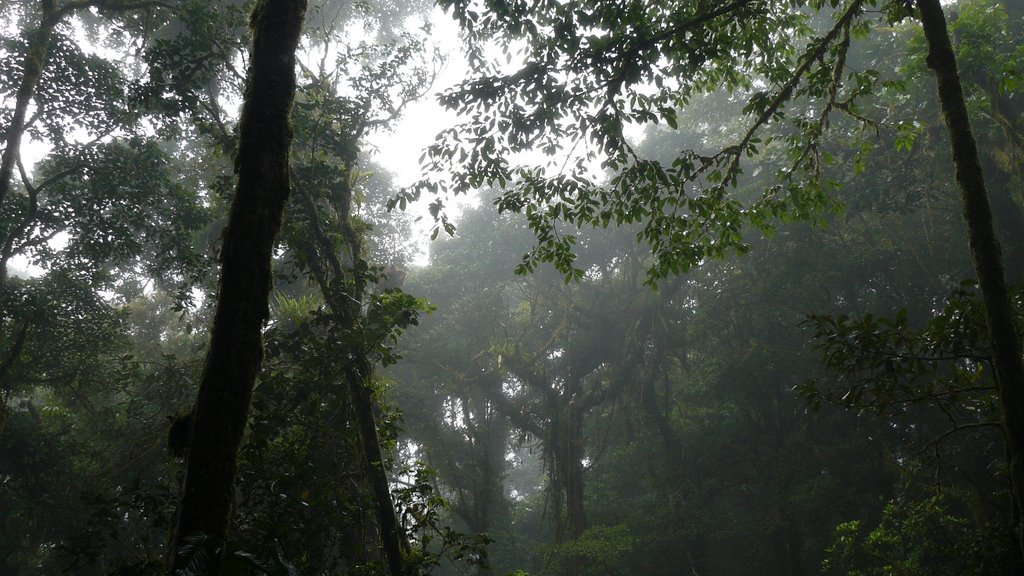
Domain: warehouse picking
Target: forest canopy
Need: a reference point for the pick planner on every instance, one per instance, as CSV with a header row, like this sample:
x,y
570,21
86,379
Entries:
x,y
716,288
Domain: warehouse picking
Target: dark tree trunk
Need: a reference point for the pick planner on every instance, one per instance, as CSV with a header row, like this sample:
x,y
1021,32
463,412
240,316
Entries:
x,y
574,509
567,484
486,509
359,376
787,544
1008,218
236,348
1005,342
489,499
347,309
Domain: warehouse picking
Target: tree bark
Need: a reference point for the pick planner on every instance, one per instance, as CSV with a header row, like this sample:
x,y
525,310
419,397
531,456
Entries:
x,y
236,348
347,308
985,251
565,450
359,375
489,497
575,512
32,66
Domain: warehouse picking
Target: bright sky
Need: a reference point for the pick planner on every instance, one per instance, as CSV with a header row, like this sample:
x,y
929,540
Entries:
x,y
400,148
397,150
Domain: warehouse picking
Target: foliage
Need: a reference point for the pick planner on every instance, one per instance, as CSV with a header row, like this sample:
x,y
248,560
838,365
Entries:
x,y
676,421
420,509
190,63
585,73
602,550
913,538
695,440
80,94
945,362
117,227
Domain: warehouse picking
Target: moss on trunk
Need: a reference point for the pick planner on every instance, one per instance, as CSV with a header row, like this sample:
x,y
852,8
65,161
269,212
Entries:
x,y
985,251
236,346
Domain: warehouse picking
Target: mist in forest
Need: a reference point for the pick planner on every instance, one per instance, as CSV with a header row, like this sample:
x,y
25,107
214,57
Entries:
x,y
511,288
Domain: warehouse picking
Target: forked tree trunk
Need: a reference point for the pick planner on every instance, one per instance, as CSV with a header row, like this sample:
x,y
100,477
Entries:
x,y
1005,342
236,347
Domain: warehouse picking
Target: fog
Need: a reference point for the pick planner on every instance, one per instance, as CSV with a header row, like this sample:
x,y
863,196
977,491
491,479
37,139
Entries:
x,y
510,289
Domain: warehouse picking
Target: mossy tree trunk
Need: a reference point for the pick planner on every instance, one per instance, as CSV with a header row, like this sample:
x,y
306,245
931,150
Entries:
x,y
985,251
236,348
344,291
358,374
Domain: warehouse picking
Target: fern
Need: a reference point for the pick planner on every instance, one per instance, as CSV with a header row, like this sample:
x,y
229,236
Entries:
x,y
193,550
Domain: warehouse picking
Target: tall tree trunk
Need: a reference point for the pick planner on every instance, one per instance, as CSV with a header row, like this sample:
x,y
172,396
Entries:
x,y
788,549
236,347
567,484
1008,217
489,499
359,375
347,309
574,509
1005,342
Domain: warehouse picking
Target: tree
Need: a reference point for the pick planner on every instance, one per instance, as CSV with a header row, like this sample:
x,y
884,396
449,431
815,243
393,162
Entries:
x,y
521,370
591,70
447,381
328,246
985,251
80,193
236,348
46,75
128,226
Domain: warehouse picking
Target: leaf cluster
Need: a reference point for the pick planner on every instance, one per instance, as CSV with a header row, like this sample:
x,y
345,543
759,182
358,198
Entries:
x,y
589,72
882,364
